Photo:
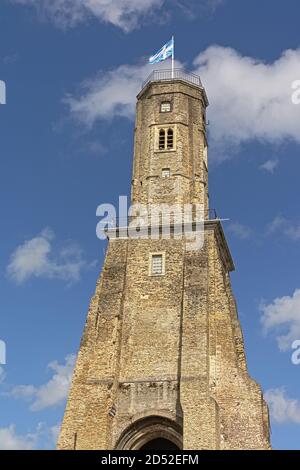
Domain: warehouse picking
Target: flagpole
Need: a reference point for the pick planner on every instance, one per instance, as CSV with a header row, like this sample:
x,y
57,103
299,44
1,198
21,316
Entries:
x,y
173,56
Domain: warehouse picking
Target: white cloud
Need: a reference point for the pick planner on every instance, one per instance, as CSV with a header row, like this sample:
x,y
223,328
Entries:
x,y
43,437
108,95
34,259
23,391
125,14
283,314
282,408
250,99
276,225
122,13
52,393
239,230
10,440
54,432
281,225
269,165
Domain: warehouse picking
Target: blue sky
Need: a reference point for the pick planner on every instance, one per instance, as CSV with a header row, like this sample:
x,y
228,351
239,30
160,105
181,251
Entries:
x,y
66,146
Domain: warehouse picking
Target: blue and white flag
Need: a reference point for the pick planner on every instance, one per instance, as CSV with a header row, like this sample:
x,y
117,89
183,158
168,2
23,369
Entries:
x,y
166,51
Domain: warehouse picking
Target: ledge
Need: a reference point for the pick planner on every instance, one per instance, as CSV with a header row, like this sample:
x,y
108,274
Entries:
x,y
209,225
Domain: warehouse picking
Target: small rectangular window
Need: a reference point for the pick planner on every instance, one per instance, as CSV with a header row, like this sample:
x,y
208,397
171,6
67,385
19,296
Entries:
x,y
165,173
157,265
165,107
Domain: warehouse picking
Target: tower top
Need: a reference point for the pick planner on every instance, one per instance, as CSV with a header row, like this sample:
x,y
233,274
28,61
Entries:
x,y
171,151
176,75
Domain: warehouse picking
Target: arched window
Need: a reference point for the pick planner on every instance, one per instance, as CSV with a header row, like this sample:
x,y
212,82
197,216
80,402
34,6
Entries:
x,y
162,139
166,139
170,139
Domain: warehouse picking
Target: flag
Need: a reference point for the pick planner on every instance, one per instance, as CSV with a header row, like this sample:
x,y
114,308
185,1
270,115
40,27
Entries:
x,y
166,51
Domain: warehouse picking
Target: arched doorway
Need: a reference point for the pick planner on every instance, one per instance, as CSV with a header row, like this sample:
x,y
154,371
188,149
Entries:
x,y
153,432
159,444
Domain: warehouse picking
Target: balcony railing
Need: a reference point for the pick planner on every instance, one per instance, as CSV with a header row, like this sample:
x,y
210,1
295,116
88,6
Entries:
x,y
179,74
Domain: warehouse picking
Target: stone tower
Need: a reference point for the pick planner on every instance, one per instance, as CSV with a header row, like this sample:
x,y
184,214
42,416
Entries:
x,y
161,362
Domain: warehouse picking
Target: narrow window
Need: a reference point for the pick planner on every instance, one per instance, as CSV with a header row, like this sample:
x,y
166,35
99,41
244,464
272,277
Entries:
x,y
165,173
162,139
170,139
165,107
157,265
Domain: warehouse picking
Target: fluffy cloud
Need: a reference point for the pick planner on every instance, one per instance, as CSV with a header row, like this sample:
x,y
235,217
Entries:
x,y
283,314
250,99
43,437
282,408
10,440
67,13
108,95
54,432
34,259
125,14
269,166
239,230
52,393
281,225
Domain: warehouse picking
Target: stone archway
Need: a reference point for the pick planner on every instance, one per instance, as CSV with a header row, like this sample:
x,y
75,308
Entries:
x,y
154,432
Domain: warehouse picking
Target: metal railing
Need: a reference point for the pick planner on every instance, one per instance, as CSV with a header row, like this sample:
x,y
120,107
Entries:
x,y
179,74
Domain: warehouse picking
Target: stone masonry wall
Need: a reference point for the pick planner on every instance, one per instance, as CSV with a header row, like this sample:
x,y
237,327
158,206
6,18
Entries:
x,y
168,346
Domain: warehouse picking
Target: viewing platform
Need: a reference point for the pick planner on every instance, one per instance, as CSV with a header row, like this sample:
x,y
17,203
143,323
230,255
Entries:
x,y
179,74
167,75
